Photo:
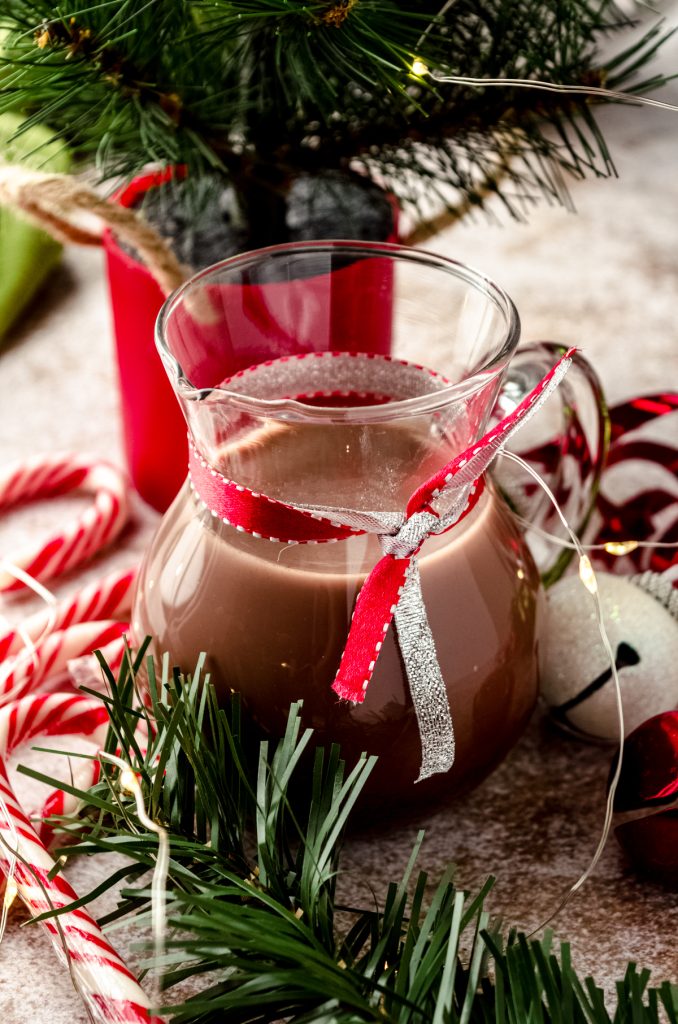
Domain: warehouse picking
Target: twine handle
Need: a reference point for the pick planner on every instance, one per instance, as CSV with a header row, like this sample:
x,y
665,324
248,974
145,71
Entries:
x,y
48,199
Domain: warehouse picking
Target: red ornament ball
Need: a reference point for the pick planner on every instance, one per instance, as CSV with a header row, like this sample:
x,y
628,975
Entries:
x,y
646,800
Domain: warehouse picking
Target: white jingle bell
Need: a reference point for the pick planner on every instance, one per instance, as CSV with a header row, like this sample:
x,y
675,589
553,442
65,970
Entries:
x,y
576,679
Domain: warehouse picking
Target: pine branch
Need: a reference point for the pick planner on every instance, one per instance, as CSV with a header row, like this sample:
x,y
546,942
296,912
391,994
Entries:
x,y
289,85
254,919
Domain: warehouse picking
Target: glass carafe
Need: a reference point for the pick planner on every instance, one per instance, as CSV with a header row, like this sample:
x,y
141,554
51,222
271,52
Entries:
x,y
344,375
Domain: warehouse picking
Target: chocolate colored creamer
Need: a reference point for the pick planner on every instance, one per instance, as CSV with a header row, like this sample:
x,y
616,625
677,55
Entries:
x,y
273,618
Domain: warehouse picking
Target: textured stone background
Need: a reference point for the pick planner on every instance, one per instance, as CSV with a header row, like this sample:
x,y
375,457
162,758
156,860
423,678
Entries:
x,y
606,280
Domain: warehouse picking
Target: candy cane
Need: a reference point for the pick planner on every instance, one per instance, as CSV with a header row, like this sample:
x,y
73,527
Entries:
x,y
85,775
29,669
85,670
109,598
50,475
109,990
59,804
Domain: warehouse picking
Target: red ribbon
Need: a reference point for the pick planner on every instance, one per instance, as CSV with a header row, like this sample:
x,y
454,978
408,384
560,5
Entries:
x,y
373,613
264,517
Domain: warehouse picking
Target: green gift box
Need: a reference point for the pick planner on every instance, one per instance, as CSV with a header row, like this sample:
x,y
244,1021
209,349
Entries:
x,y
27,254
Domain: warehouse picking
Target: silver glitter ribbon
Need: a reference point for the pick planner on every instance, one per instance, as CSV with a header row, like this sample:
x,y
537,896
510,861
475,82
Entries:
x,y
402,537
427,686
660,587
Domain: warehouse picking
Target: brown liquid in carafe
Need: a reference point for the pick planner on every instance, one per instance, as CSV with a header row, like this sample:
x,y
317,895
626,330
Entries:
x,y
273,618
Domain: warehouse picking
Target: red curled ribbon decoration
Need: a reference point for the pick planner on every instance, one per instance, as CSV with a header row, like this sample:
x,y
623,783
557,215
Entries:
x,y
650,514
437,505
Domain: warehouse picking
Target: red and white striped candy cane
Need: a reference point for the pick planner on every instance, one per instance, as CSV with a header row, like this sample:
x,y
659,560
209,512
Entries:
x,y
108,988
108,598
50,475
58,803
85,775
27,670
85,671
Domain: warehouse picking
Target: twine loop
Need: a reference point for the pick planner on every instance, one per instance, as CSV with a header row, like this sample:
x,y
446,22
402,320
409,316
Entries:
x,y
50,201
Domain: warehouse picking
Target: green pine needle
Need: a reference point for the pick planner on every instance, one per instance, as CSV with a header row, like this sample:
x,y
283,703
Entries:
x,y
254,921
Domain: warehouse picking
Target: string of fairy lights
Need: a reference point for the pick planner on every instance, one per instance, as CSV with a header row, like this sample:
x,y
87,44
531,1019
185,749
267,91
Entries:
x,y
418,69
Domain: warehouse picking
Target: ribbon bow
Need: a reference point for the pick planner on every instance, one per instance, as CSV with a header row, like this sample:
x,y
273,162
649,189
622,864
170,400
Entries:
x,y
392,590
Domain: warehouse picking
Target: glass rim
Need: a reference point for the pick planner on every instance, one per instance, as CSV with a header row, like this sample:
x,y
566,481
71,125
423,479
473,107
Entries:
x,y
289,408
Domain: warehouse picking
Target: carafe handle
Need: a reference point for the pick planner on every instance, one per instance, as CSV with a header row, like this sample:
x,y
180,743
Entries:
x,y
566,443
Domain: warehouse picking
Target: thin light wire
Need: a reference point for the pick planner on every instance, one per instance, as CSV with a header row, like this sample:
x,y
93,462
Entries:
x,y
608,546
28,651
589,579
29,581
535,83
130,783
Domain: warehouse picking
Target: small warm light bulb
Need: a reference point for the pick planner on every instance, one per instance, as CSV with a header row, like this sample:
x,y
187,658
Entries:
x,y
11,893
419,69
587,575
621,547
128,781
